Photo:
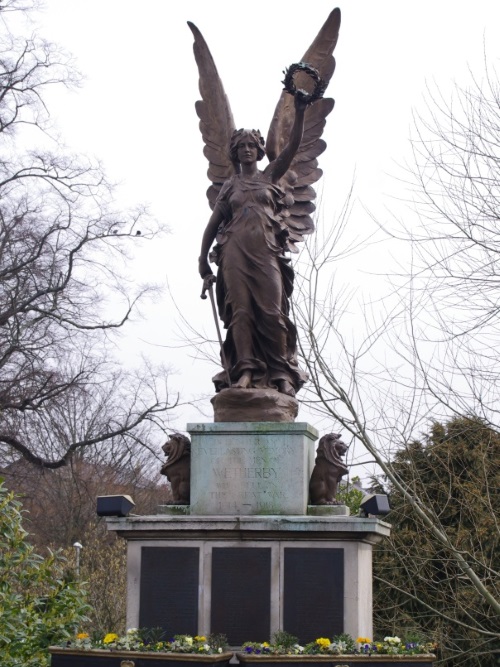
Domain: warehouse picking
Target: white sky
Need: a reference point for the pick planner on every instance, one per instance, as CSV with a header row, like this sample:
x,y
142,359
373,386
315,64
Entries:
x,y
136,113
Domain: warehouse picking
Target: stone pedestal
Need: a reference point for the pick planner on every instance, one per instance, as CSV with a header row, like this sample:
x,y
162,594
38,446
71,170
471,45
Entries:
x,y
248,557
251,468
250,576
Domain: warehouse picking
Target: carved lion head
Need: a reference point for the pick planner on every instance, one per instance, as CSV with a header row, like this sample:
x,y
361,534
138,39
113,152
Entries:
x,y
331,447
177,445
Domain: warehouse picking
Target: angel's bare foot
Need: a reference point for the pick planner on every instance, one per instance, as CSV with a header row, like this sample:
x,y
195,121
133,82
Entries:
x,y
245,380
285,387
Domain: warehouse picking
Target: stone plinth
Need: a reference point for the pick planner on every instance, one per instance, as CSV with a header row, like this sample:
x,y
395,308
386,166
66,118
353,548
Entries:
x,y
251,468
250,576
254,405
328,510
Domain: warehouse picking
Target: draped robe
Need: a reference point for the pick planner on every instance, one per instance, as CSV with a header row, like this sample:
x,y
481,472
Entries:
x,y
254,284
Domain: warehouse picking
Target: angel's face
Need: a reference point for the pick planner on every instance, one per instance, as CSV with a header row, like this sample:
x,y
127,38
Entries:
x,y
247,150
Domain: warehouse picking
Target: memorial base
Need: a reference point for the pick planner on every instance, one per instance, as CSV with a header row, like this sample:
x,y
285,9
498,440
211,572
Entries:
x,y
249,576
245,468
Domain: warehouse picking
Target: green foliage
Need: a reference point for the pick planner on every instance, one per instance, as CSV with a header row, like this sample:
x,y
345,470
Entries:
x,y
351,496
345,639
217,641
419,586
39,605
152,635
285,639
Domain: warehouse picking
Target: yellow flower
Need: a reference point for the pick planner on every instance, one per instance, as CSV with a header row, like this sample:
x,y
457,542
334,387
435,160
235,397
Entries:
x,y
82,635
110,638
265,644
323,642
201,638
363,640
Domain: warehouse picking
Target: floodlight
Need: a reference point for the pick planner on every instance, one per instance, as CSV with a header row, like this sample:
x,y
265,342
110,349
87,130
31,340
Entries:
x,y
375,504
114,505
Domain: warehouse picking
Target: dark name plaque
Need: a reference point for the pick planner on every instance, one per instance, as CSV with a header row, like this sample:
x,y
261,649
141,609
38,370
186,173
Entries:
x,y
169,589
241,593
313,596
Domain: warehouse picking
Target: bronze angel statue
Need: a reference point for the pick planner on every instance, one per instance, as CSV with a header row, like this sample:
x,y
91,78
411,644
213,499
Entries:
x,y
260,215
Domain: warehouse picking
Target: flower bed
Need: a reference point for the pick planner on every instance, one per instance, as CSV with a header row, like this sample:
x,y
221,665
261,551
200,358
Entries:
x,y
146,648
341,651
141,649
71,657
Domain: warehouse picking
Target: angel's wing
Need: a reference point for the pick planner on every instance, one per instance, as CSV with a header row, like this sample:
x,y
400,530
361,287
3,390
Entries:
x,y
304,170
216,119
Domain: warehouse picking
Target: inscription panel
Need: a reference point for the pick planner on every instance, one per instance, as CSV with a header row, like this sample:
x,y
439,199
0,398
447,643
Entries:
x,y
313,595
251,473
169,589
241,593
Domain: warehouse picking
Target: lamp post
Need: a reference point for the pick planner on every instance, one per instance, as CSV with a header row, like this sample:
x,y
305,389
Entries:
x,y
78,548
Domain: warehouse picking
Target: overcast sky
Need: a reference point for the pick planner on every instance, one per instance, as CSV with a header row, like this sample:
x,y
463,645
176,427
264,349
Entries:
x,y
136,112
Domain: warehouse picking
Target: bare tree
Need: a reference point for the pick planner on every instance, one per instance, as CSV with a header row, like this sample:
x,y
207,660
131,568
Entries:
x,y
456,151
452,313
63,280
385,369
366,382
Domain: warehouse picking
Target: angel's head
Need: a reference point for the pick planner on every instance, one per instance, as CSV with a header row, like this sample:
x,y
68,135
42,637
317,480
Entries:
x,y
240,135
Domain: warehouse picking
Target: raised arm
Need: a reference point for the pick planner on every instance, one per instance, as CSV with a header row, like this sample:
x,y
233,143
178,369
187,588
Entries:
x,y
281,164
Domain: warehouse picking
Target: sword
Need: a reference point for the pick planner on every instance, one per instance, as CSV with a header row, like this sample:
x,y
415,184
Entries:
x,y
203,295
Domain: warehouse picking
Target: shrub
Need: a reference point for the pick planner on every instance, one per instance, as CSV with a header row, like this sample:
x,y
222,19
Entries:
x,y
40,605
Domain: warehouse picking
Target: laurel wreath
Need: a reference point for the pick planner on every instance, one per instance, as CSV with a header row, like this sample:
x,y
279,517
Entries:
x,y
290,87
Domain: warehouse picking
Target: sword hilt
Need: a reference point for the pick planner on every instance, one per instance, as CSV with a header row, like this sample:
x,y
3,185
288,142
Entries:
x,y
207,284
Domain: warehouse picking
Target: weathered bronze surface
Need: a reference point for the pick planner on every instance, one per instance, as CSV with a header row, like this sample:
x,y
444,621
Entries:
x,y
259,215
177,467
234,405
328,471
